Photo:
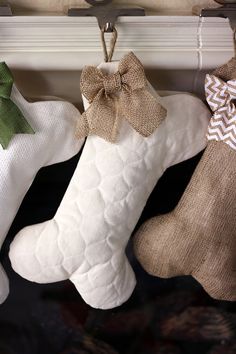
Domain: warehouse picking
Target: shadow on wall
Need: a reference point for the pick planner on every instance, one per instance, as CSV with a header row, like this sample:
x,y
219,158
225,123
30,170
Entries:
x,y
66,84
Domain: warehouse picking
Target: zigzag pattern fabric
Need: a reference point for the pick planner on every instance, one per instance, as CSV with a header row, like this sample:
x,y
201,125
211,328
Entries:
x,y
220,96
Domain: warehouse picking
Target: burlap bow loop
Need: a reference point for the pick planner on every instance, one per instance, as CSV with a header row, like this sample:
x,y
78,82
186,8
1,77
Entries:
x,y
12,120
123,94
220,96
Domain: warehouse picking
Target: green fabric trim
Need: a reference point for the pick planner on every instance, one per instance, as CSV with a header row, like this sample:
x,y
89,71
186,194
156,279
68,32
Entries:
x,y
12,121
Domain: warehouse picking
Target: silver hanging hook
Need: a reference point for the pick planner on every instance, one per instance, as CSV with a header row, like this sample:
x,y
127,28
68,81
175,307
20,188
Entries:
x,y
98,2
109,27
105,13
228,10
5,9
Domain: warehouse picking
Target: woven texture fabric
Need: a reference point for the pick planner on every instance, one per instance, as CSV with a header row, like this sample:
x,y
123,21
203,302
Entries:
x,y
199,237
122,95
86,240
54,141
227,71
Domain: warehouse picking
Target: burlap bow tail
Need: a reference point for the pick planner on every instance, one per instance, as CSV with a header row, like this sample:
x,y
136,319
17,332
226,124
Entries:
x,y
220,96
121,95
11,119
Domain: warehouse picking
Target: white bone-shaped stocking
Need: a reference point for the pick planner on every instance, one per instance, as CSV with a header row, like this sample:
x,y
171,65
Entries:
x,y
54,123
86,240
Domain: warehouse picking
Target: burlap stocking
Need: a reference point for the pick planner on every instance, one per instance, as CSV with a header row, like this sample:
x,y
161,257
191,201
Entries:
x,y
199,237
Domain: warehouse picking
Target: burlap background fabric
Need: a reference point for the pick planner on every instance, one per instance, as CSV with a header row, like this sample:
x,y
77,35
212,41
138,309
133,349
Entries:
x,y
199,237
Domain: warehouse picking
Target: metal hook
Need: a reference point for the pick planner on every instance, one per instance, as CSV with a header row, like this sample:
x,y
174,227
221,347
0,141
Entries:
x,y
105,13
98,2
5,9
228,10
109,27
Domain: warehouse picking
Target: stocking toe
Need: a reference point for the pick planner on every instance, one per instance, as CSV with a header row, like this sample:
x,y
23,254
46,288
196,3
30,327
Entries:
x,y
153,245
218,286
148,246
107,286
35,256
144,242
23,253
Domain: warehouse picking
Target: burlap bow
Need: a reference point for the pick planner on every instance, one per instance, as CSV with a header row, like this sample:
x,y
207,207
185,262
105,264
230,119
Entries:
x,y
121,95
11,119
220,96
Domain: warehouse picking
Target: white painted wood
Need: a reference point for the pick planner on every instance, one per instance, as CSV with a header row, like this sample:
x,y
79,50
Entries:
x,y
175,50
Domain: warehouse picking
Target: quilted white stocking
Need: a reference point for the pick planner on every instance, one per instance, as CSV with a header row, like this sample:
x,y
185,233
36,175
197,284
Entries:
x,y
86,240
54,141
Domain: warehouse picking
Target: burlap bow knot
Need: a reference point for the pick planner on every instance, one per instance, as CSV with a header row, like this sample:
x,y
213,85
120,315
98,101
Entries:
x,y
113,97
220,96
12,120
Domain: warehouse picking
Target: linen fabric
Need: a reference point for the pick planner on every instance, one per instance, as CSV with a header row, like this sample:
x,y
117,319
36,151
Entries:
x,y
199,237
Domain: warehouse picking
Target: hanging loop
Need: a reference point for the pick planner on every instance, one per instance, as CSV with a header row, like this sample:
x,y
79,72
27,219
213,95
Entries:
x,y
108,55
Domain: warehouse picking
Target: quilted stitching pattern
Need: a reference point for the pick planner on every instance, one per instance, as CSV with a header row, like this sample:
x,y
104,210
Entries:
x,y
86,240
54,123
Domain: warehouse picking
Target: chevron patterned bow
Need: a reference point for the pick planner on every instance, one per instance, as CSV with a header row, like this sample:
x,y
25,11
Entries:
x,y
220,96
121,95
11,119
